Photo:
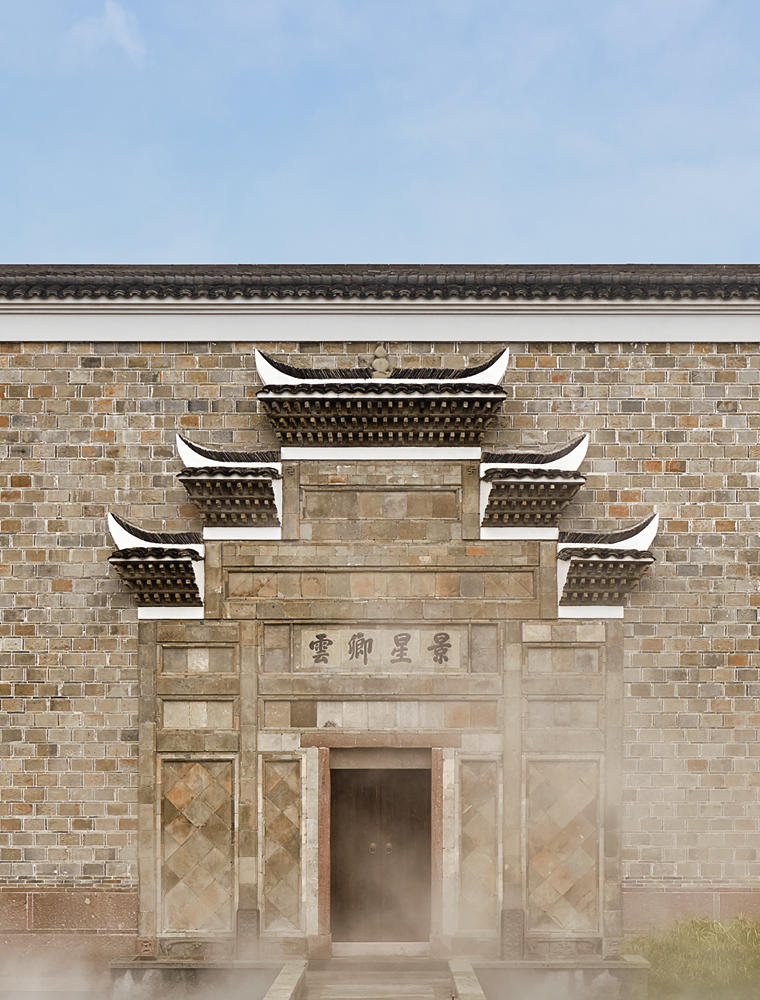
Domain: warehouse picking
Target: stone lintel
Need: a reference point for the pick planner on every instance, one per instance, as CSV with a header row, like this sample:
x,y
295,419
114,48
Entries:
x,y
380,739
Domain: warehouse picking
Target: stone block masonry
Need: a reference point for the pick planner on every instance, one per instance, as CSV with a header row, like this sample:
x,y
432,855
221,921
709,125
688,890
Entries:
x,y
88,428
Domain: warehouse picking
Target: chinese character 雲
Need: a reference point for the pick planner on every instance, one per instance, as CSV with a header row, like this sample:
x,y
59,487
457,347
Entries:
x,y
440,647
320,647
400,648
359,647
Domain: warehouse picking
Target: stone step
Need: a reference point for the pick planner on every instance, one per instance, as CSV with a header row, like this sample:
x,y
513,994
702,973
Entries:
x,y
356,982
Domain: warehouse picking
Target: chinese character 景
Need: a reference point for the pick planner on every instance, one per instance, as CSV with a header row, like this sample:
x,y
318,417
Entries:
x,y
359,646
440,647
400,648
320,647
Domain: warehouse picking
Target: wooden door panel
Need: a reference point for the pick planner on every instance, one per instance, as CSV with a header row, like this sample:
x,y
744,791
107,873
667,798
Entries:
x,y
380,855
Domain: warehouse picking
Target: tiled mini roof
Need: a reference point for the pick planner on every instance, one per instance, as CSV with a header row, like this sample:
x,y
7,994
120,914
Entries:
x,y
602,581
159,537
604,537
233,497
380,387
509,475
635,555
529,498
223,455
531,457
368,373
228,471
160,577
139,554
305,373
383,281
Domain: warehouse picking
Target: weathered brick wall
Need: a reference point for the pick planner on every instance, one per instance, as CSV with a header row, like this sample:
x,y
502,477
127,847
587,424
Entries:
x,y
88,428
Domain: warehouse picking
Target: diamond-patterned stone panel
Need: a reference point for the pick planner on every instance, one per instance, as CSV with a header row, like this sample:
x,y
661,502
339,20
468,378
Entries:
x,y
197,846
563,846
479,845
281,887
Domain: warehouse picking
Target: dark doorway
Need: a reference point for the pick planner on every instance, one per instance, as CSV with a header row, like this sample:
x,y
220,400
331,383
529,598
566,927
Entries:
x,y
380,855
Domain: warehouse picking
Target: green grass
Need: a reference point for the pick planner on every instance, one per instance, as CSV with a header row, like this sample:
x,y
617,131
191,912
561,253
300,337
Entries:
x,y
702,959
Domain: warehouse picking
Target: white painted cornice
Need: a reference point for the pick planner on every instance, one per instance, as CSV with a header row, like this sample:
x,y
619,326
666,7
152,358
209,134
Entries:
x,y
508,321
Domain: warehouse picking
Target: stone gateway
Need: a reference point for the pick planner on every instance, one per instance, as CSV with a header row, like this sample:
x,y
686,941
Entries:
x,y
435,640
364,722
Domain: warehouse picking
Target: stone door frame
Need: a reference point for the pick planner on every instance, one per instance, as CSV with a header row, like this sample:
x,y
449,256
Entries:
x,y
324,945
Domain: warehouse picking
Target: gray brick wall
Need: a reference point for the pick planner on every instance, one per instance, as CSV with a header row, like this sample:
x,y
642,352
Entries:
x,y
88,428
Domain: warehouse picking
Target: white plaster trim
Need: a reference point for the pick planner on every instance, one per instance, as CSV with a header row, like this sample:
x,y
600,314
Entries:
x,y
199,569
563,568
590,611
642,540
524,534
492,375
570,462
277,490
124,539
297,306
144,614
485,492
242,534
449,321
193,459
374,454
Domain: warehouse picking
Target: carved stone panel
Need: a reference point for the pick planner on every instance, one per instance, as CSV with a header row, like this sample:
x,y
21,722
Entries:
x,y
398,647
197,846
281,852
479,845
563,846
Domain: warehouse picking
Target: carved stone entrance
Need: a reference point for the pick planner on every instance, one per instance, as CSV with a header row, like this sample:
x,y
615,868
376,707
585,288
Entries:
x,y
380,857
379,671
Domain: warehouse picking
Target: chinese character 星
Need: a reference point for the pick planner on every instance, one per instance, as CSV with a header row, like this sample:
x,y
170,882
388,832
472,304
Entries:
x,y
320,646
400,648
359,647
440,647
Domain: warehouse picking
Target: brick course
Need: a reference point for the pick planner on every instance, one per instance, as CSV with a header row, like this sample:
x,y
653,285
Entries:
x,y
88,428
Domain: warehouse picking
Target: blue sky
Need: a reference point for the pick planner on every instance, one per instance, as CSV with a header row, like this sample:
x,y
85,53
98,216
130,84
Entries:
x,y
277,131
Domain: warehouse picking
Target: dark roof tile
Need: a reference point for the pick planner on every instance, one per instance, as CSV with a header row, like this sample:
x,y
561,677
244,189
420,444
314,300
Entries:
x,y
621,555
226,472
160,537
604,537
724,282
222,455
143,553
380,387
530,457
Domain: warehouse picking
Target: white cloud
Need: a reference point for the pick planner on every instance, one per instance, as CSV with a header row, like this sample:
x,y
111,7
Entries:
x,y
113,26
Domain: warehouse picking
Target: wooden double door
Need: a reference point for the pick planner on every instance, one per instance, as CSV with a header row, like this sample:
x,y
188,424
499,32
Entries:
x,y
380,854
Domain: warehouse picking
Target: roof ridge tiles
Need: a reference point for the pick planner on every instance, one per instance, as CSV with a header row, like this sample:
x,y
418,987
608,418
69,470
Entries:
x,y
167,538
622,555
227,471
224,455
723,282
380,387
530,457
139,552
604,537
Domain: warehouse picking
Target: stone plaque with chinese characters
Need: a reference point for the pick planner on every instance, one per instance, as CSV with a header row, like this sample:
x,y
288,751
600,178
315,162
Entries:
x,y
381,650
